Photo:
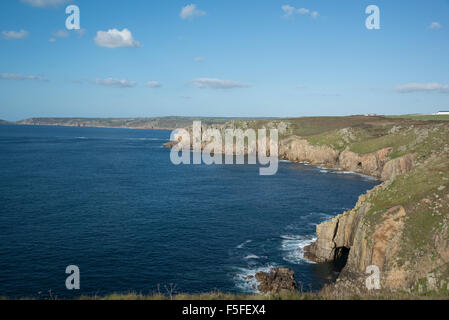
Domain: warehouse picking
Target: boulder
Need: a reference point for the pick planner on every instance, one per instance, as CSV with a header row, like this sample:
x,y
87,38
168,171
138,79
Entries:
x,y
276,281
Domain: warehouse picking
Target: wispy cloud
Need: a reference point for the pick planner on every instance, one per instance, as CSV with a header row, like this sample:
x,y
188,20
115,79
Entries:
x,y
20,77
291,11
198,59
422,87
60,34
14,35
114,38
111,82
45,3
81,32
435,26
154,84
218,83
191,11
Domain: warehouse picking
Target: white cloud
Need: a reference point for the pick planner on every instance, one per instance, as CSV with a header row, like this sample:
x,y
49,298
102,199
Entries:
x,y
111,82
154,84
20,77
198,59
60,34
45,3
435,25
290,11
191,11
422,87
13,35
52,40
218,83
314,14
114,38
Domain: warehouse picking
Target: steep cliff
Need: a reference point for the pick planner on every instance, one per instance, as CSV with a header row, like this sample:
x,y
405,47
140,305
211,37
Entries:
x,y
401,226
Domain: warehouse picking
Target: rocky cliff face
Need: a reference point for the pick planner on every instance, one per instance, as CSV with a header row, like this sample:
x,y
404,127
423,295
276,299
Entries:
x,y
409,243
376,164
402,225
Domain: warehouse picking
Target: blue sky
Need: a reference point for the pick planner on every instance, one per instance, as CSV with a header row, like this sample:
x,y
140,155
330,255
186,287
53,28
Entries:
x,y
222,58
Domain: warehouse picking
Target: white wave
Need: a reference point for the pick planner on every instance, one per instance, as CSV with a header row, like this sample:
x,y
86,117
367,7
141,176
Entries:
x,y
251,256
245,279
147,139
240,246
293,246
357,174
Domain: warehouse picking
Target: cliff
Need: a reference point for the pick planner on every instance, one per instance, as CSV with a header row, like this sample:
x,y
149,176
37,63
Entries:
x,y
402,225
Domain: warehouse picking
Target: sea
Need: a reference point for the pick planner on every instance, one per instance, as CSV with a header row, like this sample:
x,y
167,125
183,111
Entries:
x,y
111,202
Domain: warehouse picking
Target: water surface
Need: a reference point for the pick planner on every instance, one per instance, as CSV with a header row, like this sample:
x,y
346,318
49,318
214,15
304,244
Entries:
x,y
111,202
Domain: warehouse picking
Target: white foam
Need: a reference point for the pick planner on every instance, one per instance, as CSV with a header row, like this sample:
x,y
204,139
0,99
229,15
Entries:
x,y
240,246
244,283
357,174
293,246
147,139
251,256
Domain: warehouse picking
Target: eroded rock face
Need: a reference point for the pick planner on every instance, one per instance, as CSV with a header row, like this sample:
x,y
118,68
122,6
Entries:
x,y
371,164
277,281
376,164
297,149
397,166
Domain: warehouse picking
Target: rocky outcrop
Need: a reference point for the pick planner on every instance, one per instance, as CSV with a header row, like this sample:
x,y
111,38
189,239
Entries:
x,y
376,164
378,247
397,166
276,281
336,234
388,239
297,149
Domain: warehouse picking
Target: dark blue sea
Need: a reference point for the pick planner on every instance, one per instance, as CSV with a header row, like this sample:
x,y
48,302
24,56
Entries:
x,y
111,202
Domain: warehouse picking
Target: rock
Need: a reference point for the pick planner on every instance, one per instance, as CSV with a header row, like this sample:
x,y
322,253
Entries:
x,y
397,166
296,149
277,281
170,144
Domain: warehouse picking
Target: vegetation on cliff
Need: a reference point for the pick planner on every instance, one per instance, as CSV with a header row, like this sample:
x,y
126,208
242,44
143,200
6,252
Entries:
x,y
402,225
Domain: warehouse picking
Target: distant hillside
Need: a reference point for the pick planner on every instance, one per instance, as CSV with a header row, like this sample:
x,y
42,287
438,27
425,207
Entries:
x,y
4,122
131,123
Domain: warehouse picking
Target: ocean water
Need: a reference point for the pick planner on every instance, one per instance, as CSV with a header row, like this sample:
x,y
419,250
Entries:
x,y
111,202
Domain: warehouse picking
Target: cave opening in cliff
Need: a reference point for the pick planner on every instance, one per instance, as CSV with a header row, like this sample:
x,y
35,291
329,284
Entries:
x,y
340,258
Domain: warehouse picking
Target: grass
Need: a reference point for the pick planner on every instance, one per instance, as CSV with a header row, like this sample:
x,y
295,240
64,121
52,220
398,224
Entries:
x,y
327,293
442,117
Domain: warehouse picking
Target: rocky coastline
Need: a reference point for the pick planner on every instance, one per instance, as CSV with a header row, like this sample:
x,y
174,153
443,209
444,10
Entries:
x,y
401,226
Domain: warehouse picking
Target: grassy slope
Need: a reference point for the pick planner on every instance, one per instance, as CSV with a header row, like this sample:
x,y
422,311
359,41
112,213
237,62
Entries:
x,y
424,117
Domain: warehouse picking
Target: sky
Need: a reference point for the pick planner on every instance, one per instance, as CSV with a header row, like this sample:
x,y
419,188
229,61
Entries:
x,y
234,58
